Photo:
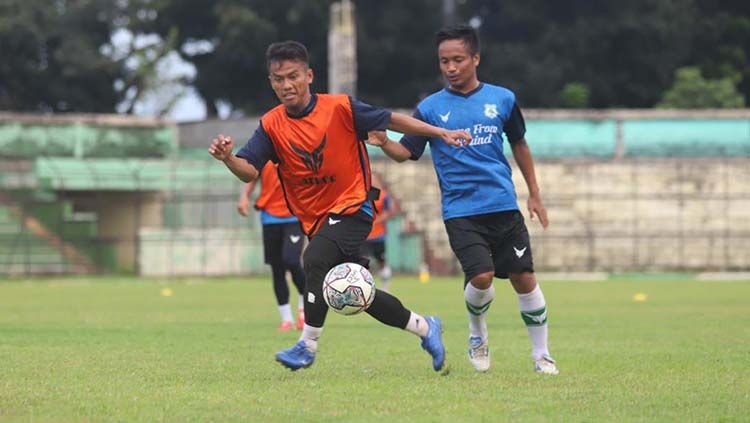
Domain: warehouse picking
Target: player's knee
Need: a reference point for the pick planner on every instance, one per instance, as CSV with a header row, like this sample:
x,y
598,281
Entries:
x,y
316,262
482,280
523,282
311,260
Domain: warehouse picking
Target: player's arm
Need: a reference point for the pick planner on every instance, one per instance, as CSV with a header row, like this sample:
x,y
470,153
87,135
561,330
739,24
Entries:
x,y
243,204
248,161
411,126
368,118
387,212
515,129
221,149
392,149
409,147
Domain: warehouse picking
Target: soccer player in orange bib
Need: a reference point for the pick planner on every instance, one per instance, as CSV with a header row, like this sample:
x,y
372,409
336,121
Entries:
x,y
317,140
282,242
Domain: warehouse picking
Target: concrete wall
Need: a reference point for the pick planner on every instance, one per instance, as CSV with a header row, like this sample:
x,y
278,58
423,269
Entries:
x,y
617,198
626,214
120,216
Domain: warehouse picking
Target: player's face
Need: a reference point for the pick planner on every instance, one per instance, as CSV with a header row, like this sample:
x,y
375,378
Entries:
x,y
458,65
290,80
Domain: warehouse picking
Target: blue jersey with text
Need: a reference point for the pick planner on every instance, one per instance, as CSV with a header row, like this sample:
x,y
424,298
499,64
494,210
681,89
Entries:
x,y
474,179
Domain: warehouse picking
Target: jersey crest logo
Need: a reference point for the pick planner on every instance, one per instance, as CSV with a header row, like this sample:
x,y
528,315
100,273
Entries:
x,y
313,160
445,117
490,110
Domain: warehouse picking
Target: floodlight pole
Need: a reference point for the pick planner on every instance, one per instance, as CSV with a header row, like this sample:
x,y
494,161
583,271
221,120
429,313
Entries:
x,y
449,12
342,49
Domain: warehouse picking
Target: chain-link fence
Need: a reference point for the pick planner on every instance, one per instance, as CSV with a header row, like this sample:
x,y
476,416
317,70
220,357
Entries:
x,y
623,194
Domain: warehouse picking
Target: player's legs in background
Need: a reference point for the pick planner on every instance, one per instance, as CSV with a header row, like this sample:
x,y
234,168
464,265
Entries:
x,y
384,269
291,256
272,248
281,290
376,249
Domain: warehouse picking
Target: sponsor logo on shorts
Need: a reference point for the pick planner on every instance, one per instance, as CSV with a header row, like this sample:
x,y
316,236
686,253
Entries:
x,y
519,253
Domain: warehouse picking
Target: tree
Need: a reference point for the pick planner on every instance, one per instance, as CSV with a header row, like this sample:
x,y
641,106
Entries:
x,y
574,95
50,56
722,42
692,91
396,51
624,52
226,41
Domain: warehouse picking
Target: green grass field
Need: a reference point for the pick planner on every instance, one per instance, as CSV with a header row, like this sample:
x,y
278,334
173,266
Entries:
x,y
116,350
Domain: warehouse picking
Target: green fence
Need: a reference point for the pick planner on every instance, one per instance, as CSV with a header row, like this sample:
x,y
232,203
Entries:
x,y
620,134
110,193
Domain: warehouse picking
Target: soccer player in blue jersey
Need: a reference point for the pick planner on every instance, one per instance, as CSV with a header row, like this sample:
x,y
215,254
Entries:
x,y
485,228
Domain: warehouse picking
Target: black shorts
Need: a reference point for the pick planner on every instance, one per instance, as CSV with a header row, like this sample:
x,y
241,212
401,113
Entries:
x,y
374,248
495,242
348,232
282,242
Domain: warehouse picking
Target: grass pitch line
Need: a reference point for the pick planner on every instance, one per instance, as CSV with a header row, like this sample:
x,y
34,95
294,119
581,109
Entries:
x,y
573,276
724,276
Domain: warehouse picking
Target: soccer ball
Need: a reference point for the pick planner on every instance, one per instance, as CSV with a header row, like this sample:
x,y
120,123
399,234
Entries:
x,y
348,289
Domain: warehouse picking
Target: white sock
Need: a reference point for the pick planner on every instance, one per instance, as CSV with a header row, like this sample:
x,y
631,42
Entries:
x,y
300,303
286,312
310,335
385,278
477,303
534,314
417,325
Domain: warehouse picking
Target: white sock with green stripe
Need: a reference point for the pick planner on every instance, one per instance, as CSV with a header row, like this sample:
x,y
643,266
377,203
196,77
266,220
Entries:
x,y
477,303
534,315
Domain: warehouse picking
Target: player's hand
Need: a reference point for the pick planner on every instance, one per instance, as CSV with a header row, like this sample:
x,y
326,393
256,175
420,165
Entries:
x,y
221,147
243,206
377,138
535,207
456,138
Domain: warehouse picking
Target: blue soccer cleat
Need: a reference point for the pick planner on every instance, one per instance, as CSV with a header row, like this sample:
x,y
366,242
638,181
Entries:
x,y
297,357
433,343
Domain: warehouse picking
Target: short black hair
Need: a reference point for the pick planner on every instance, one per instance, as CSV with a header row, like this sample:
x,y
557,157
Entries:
x,y
459,32
286,50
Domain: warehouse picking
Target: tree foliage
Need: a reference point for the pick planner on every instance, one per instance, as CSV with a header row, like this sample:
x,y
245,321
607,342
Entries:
x,y
226,41
51,59
692,91
578,53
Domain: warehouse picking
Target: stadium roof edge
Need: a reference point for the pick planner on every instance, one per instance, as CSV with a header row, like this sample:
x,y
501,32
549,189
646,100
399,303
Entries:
x,y
629,114
641,114
85,118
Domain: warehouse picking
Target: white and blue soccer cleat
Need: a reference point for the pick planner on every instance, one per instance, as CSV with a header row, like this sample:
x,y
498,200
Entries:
x,y
297,357
433,343
546,365
479,353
